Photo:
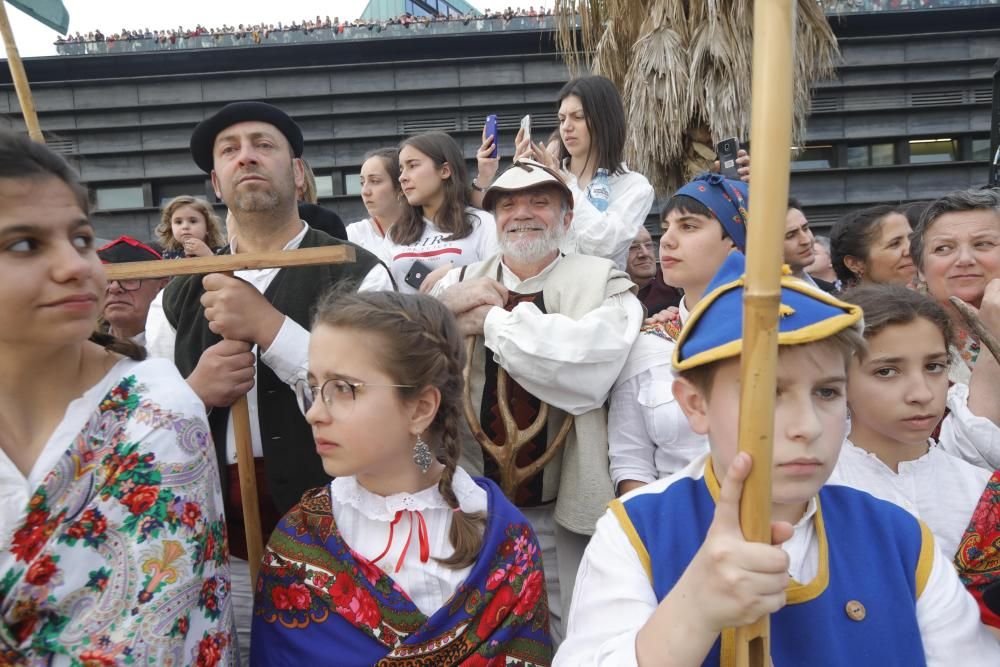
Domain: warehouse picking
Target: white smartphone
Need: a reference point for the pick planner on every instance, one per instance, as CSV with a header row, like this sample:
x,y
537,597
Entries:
x,y
526,126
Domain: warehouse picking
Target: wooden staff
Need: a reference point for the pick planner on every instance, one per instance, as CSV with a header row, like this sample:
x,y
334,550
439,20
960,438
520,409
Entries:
x,y
240,410
771,138
20,79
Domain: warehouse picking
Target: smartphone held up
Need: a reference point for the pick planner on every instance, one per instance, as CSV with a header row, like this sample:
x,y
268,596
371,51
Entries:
x,y
727,150
490,130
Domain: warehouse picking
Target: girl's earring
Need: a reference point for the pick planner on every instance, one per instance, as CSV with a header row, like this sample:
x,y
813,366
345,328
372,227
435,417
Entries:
x,y
422,454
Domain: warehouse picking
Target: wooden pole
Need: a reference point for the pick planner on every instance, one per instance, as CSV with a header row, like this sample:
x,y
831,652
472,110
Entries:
x,y
240,410
20,79
770,140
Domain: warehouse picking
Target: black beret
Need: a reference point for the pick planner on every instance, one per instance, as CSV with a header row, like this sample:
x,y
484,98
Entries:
x,y
203,137
126,249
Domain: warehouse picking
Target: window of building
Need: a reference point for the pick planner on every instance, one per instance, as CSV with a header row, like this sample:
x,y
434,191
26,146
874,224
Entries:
x,y
870,155
167,191
352,184
981,150
933,150
324,185
107,199
813,157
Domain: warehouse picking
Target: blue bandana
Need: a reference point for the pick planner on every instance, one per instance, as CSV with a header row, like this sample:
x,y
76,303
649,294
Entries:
x,y
727,199
714,329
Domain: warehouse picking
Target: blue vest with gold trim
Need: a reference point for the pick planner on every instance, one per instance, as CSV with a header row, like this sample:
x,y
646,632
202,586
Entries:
x,y
872,552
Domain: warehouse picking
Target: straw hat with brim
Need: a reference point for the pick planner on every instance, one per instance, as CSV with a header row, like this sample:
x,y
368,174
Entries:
x,y
523,175
203,137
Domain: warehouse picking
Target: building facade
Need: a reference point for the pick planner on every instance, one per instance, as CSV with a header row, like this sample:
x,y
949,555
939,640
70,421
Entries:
x,y
906,117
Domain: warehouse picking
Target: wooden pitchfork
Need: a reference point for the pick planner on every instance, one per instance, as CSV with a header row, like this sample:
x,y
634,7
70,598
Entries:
x,y
240,412
511,475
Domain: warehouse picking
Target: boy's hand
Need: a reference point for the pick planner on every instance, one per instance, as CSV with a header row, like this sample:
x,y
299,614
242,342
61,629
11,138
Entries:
x,y
735,582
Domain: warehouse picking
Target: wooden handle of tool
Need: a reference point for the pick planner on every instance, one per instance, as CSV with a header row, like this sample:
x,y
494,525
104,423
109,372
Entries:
x,y
21,86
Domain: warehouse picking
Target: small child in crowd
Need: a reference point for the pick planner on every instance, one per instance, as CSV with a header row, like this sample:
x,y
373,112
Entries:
x,y
189,228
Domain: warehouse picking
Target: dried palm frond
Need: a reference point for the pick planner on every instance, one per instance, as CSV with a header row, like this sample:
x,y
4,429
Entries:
x,y
684,69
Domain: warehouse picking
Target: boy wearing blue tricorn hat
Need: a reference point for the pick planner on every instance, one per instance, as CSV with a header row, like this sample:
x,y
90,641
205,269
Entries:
x,y
849,580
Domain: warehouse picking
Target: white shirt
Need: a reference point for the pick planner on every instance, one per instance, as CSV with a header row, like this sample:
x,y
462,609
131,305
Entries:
x,y
608,234
940,489
966,435
648,435
434,248
363,519
570,364
288,355
613,598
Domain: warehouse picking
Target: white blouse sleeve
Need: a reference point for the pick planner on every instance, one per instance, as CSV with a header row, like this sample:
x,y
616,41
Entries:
x,y
968,436
570,364
631,447
609,234
612,600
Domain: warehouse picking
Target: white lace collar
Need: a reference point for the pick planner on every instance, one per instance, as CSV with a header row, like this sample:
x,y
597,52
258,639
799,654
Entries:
x,y
347,491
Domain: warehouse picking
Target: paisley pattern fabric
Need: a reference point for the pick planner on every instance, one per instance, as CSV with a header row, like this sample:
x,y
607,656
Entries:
x,y
319,602
121,557
978,557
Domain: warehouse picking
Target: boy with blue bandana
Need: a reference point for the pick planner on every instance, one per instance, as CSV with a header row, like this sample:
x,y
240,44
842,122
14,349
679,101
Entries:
x,y
849,580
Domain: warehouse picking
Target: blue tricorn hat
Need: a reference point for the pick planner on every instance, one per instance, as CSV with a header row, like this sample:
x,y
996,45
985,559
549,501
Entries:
x,y
714,329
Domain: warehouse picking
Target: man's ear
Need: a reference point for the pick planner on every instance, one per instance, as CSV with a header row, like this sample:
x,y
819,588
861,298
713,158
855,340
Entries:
x,y
568,218
299,172
693,403
423,409
215,185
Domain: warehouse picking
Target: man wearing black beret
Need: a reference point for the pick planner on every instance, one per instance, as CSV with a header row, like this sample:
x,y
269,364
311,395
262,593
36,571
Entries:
x,y
223,331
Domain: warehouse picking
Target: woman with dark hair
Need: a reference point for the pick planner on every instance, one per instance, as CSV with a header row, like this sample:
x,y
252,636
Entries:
x,y
610,201
872,246
383,198
440,229
112,542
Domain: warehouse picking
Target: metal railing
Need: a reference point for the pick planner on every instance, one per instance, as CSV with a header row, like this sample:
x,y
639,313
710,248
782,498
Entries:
x,y
305,36
874,6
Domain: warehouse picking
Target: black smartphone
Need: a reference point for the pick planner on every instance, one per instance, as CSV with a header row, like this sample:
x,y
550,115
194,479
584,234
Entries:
x,y
491,131
726,150
416,275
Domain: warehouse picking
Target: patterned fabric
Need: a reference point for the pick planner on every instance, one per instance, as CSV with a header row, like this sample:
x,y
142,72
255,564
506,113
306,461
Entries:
x,y
729,200
668,331
978,558
121,558
315,595
967,345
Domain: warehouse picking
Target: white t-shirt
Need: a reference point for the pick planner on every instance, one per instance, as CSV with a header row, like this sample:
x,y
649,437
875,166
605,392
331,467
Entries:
x,y
434,248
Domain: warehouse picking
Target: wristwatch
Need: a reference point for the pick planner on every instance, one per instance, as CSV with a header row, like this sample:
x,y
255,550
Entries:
x,y
476,186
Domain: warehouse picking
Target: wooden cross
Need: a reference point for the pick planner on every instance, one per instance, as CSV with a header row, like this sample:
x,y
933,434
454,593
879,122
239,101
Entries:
x,y
227,264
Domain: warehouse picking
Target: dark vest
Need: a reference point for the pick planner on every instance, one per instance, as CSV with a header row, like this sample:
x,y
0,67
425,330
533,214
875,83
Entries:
x,y
290,457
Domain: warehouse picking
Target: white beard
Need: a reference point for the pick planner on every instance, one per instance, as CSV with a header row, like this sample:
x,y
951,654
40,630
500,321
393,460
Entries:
x,y
534,249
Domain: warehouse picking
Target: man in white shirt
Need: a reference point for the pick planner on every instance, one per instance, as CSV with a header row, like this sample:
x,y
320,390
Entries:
x,y
561,327
248,334
126,303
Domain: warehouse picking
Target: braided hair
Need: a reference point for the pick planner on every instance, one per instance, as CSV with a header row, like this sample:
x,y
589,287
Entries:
x,y
419,345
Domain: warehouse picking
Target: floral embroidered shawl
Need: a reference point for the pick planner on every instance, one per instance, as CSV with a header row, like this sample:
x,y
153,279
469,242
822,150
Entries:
x,y
978,557
121,557
319,603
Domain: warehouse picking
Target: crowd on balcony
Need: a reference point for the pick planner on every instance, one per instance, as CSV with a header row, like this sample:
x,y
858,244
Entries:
x,y
261,33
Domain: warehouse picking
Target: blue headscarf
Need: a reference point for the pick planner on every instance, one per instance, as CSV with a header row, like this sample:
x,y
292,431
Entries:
x,y
728,200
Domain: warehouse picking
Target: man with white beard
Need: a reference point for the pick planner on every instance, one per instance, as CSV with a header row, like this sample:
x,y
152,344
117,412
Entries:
x,y
561,327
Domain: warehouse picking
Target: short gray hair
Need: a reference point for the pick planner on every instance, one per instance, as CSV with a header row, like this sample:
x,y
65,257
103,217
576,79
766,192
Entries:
x,y
823,241
975,199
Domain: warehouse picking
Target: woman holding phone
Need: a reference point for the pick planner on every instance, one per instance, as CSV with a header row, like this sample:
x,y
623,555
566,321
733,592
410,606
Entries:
x,y
610,201
439,229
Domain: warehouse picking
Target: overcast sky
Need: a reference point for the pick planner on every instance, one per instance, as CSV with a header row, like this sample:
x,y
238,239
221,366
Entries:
x,y
111,16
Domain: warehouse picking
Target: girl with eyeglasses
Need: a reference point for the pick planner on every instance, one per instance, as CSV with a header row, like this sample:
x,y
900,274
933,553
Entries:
x,y
112,542
403,554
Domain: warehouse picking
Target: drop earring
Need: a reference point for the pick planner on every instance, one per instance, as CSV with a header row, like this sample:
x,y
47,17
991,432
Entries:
x,y
422,454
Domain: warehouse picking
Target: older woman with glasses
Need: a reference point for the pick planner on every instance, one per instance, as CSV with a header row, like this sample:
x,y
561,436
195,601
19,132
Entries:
x,y
112,546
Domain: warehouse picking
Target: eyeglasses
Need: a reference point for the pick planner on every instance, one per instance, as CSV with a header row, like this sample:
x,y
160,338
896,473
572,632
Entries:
x,y
648,246
130,285
338,395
